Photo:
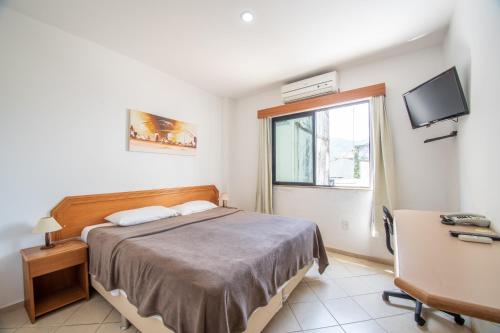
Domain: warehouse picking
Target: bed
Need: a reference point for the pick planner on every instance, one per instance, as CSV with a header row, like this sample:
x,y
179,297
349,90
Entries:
x,y
222,270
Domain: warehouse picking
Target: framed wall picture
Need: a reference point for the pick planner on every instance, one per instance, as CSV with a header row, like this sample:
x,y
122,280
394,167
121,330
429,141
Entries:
x,y
157,134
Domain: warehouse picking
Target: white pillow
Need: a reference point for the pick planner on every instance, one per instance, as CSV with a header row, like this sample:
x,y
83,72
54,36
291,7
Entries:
x,y
195,206
140,215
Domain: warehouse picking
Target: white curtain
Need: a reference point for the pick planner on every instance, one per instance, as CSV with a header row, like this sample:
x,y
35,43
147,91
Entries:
x,y
264,200
383,175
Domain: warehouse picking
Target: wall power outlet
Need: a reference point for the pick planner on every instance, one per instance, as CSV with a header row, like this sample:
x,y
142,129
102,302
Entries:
x,y
345,224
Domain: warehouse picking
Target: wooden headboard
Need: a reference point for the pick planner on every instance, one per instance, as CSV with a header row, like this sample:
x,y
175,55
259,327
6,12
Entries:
x,y
76,212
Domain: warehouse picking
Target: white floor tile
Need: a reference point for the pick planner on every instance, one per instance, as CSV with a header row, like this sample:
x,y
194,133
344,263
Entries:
x,y
7,330
361,269
345,310
375,306
434,312
302,293
355,286
113,317
78,329
91,312
369,326
56,318
333,329
312,315
337,271
366,284
36,330
405,324
284,321
114,328
14,317
327,289
379,282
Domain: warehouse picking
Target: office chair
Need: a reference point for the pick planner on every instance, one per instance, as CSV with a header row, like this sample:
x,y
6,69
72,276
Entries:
x,y
389,231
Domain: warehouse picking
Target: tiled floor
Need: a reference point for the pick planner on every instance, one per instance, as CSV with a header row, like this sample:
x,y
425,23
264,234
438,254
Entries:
x,y
94,316
346,299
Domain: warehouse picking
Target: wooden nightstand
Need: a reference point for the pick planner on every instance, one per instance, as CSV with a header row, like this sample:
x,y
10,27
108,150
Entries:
x,y
54,277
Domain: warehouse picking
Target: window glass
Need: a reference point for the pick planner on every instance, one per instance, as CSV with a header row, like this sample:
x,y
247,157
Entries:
x,y
327,147
343,146
293,150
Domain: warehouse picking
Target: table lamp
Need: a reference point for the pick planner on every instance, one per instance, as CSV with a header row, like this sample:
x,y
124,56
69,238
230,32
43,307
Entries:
x,y
225,198
47,225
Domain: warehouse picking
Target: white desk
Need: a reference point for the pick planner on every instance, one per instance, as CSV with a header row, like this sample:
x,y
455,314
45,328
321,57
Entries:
x,y
443,271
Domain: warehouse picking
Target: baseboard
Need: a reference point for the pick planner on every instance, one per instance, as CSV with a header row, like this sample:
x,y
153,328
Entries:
x,y
482,326
361,256
12,306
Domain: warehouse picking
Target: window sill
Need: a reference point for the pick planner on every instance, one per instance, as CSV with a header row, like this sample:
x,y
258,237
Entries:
x,y
326,187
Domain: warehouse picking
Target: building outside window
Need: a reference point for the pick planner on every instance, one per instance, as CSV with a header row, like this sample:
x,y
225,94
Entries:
x,y
325,147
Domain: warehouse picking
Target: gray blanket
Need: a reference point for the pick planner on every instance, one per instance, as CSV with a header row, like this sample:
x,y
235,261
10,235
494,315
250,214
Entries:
x,y
204,272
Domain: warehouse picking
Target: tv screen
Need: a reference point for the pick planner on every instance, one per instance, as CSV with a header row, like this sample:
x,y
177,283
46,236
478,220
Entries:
x,y
438,99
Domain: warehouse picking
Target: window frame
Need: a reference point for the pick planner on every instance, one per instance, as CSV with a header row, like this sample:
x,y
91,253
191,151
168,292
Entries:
x,y
273,130
313,114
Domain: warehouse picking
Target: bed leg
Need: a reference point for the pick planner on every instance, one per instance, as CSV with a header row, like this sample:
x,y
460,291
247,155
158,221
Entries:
x,y
124,323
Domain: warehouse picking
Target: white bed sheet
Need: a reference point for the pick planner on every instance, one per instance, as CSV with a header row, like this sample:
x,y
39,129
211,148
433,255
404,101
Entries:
x,y
87,229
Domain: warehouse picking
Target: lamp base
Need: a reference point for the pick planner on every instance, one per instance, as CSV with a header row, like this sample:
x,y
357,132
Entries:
x,y
48,243
46,247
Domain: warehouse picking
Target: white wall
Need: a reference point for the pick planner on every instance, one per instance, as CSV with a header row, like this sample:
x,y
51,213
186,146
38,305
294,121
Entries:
x,y
473,45
63,104
425,172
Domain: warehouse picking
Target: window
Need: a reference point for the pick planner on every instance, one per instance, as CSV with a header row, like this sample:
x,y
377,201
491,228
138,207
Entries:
x,y
293,152
326,147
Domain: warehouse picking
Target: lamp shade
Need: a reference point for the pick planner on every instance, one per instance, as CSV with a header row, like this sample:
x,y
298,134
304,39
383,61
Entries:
x,y
46,224
224,196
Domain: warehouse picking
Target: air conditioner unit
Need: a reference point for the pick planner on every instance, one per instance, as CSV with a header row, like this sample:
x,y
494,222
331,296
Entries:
x,y
315,86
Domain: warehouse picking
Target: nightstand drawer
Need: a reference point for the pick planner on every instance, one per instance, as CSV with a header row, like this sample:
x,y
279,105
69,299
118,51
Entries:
x,y
57,261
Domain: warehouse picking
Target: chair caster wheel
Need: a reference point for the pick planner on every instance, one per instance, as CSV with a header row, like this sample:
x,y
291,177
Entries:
x,y
385,297
459,320
420,321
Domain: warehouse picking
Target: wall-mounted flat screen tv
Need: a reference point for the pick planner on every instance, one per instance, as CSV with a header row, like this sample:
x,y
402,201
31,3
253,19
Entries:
x,y
440,98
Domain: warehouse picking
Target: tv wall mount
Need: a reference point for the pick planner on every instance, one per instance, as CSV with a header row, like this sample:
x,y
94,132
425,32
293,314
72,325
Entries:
x,y
452,134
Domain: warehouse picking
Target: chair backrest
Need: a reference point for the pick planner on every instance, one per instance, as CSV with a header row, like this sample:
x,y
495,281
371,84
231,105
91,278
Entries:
x,y
388,226
388,218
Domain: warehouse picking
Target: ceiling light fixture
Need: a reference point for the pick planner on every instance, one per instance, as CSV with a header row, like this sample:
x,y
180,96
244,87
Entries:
x,y
246,16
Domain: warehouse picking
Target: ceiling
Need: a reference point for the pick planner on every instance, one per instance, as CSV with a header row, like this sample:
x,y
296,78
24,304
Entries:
x,y
205,43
